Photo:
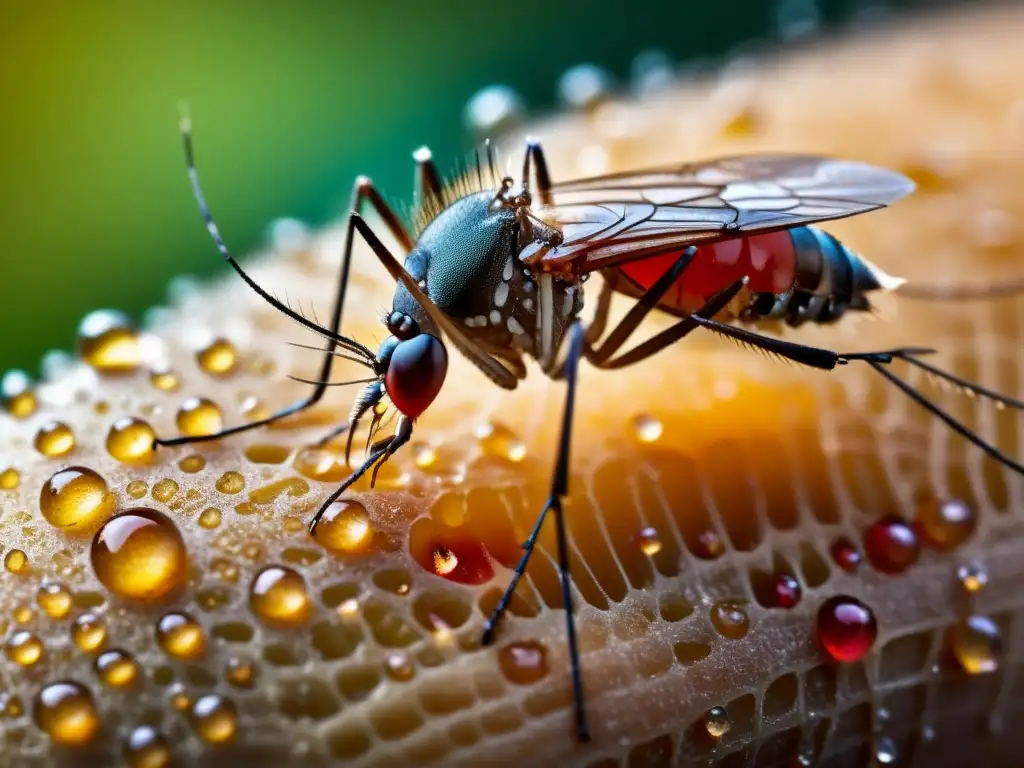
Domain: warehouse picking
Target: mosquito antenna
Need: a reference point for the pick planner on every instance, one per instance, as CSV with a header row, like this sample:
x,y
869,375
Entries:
x,y
910,355
479,170
925,292
341,355
185,125
331,383
490,161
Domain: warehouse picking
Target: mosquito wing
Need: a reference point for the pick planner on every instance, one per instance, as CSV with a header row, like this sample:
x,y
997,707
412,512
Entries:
x,y
608,220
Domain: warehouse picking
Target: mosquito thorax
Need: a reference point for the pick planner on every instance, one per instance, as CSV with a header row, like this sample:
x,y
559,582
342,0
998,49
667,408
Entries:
x,y
412,363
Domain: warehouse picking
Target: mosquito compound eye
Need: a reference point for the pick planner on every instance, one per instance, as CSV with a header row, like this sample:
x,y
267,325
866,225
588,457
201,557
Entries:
x,y
402,326
416,373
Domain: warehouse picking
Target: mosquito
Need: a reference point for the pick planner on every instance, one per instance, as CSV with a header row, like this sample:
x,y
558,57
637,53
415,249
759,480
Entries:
x,y
497,268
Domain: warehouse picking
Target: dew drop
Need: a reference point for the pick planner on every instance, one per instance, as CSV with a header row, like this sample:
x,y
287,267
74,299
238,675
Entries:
x,y
192,464
891,545
845,554
140,555
240,673
75,498
147,748
65,711
278,597
730,620
165,490
975,644
885,751
649,541
131,441
181,636
116,668
16,394
9,479
524,662
972,577
647,428
945,524
108,342
500,442
55,600
164,379
345,528
198,416
16,561
89,633
716,722
215,719
210,518
24,648
137,489
846,628
54,439
785,591
231,482
218,358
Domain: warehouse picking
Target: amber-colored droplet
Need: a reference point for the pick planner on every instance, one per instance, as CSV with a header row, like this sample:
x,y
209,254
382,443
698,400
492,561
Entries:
x,y
165,490
180,636
24,648
253,409
139,554
107,341
231,482
22,614
846,628
891,545
192,464
972,577
210,518
785,591
264,453
717,722
499,441
348,609
424,456
164,379
975,644
137,489
708,546
9,479
16,394
131,441
54,439
16,561
730,620
399,666
240,673
215,719
278,597
345,528
179,699
75,499
524,662
116,668
845,554
649,541
65,712
11,706
945,524
55,600
647,428
198,416
322,465
218,358
89,632
147,748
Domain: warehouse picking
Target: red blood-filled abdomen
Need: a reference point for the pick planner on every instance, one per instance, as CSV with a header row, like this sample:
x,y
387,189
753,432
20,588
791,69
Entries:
x,y
769,261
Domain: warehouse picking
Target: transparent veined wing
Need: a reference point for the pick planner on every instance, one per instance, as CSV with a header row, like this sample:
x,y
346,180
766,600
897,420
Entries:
x,y
608,220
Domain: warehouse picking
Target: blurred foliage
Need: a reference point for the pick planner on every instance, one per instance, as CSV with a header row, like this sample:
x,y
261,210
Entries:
x,y
290,102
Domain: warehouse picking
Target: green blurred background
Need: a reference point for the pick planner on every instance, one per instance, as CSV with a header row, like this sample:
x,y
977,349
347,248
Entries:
x,y
290,101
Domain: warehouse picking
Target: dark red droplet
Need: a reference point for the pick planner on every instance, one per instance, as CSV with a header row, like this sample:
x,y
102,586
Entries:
x,y
845,554
708,546
891,545
846,628
786,591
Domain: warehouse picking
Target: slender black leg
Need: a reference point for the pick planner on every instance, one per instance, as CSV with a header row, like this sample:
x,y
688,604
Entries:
x,y
535,158
604,303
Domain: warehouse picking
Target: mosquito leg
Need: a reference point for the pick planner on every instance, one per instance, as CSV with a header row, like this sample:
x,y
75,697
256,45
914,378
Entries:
x,y
600,321
428,191
535,158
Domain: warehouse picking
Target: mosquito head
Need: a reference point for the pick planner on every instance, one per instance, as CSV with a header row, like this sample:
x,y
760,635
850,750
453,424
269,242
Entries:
x,y
413,363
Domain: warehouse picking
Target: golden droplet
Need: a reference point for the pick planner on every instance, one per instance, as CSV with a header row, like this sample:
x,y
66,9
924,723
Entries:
x,y
215,719
24,648
16,561
424,456
524,663
218,358
147,748
345,528
165,490
22,614
192,464
730,620
975,643
164,379
16,394
180,636
9,479
210,518
139,554
499,441
131,441
89,633
179,699
75,499
716,722
647,428
399,666
198,417
108,342
278,597
116,668
231,482
254,410
322,465
11,706
240,673
972,576
649,541
137,489
54,439
348,609
65,711
265,453
55,600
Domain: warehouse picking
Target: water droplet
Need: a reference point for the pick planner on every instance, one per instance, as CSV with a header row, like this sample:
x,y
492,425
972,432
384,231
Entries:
x,y
717,722
445,560
891,545
846,628
54,439
254,410
165,490
107,341
24,648
116,668
945,524
131,441
9,479
147,748
267,454
180,636
137,489
708,546
16,561
164,379
322,465
215,719
231,482
345,528
218,358
972,576
16,394
730,620
399,666
785,591
845,554
192,464
647,428
55,600
584,87
278,597
975,644
524,662
139,554
240,673
65,711
500,442
210,518
493,110
198,416
89,632
75,498
649,541
885,751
